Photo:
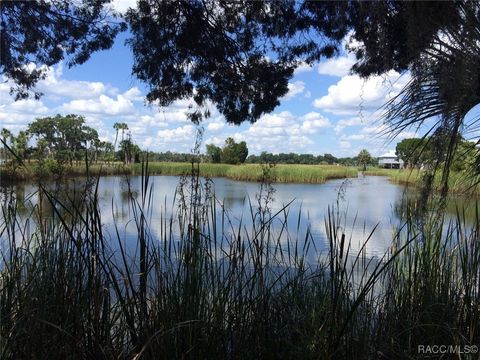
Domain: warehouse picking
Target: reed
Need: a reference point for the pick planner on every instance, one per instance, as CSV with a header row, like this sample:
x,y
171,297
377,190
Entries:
x,y
209,287
459,183
245,172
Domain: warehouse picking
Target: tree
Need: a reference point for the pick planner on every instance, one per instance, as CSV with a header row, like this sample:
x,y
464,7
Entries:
x,y
214,153
237,54
234,153
62,137
413,151
124,148
364,158
329,158
37,33
21,144
6,135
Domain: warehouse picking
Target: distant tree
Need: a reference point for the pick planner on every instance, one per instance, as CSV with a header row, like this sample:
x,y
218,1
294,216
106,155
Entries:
x,y
123,148
465,156
21,144
6,136
214,153
364,158
62,137
47,32
119,126
330,159
234,153
413,151
108,151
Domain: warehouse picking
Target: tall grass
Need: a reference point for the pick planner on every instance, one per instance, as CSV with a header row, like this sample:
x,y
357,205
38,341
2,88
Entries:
x,y
245,172
212,288
460,182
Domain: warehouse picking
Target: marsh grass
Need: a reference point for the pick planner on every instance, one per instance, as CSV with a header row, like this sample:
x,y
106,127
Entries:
x,y
245,172
209,287
459,183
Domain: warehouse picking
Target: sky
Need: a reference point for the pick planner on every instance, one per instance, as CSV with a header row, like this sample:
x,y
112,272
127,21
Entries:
x,y
327,109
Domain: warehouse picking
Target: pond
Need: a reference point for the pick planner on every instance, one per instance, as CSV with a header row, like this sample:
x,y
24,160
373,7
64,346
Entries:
x,y
363,203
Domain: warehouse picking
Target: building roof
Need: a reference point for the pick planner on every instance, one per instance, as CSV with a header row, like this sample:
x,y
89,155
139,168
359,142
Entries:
x,y
390,154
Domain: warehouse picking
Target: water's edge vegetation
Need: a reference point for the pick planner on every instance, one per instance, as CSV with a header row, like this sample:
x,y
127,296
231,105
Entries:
x,y
66,293
459,182
246,172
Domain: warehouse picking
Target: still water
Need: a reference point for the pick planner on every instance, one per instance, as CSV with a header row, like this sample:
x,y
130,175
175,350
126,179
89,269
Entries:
x,y
363,203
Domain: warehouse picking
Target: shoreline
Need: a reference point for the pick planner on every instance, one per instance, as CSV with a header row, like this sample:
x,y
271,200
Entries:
x,y
282,173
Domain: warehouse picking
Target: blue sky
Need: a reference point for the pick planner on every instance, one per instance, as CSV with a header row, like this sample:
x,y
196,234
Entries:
x,y
327,110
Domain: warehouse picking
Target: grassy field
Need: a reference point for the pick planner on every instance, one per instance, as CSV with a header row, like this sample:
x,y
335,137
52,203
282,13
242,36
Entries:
x,y
245,172
254,172
70,290
458,182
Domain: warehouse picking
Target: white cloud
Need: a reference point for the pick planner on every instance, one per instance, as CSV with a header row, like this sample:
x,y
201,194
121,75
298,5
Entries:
x,y
353,94
353,137
133,94
339,66
215,126
343,123
54,86
103,105
312,122
303,67
294,89
123,5
215,140
283,132
182,133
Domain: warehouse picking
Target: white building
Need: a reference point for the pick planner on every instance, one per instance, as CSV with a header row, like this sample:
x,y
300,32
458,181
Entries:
x,y
390,161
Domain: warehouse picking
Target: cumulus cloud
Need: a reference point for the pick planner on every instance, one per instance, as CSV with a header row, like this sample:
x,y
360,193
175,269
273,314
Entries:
x,y
344,123
353,137
54,86
215,140
182,133
283,131
122,6
339,66
102,105
18,114
353,94
215,126
133,94
313,122
294,89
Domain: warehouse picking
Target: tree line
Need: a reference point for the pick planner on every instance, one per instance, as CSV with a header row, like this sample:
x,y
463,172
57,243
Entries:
x,y
426,152
67,140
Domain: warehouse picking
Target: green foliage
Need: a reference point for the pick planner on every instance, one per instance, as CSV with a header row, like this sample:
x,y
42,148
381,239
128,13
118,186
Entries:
x,y
48,168
214,153
66,139
282,158
330,159
429,151
413,151
62,137
364,158
47,32
211,53
234,153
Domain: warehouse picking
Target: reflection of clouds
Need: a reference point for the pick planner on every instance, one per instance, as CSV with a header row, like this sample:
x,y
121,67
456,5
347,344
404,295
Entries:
x,y
367,202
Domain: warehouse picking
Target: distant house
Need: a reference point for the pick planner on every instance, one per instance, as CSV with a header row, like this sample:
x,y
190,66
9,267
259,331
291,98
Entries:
x,y
390,161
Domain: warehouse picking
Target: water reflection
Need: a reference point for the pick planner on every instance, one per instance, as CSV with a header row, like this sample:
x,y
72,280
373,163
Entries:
x,y
364,203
